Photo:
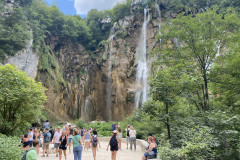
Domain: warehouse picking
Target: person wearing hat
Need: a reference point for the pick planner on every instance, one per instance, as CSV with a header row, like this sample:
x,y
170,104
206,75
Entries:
x,y
113,145
56,139
30,152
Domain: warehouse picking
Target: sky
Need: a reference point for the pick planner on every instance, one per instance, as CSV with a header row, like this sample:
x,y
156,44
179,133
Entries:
x,y
81,7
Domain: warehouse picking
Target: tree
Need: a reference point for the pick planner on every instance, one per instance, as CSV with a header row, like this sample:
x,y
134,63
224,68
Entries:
x,y
14,32
194,43
21,99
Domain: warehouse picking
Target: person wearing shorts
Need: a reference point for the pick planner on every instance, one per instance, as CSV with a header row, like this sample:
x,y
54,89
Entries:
x,y
87,138
45,143
70,136
113,143
56,138
63,145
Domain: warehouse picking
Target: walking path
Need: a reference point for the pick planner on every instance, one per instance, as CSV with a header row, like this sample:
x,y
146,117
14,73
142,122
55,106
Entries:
x,y
102,154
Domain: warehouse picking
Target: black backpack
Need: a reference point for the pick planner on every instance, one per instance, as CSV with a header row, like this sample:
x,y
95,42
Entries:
x,y
128,132
113,142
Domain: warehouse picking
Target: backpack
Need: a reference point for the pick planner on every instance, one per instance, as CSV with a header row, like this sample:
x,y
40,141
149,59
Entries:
x,y
94,141
155,140
128,132
48,138
113,142
82,132
24,157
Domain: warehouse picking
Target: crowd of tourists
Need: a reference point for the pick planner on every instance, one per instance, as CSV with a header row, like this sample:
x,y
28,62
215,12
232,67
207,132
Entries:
x,y
79,140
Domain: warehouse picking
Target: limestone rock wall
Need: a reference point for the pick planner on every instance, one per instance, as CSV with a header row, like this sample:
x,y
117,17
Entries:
x,y
86,76
26,60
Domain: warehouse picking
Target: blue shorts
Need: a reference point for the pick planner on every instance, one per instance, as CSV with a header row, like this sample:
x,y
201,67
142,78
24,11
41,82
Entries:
x,y
69,140
127,139
145,155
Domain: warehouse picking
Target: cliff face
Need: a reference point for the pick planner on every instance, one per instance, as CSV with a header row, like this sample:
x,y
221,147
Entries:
x,y
88,82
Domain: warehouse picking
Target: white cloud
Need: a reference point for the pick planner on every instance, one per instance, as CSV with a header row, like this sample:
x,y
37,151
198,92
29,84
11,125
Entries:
x,y
83,6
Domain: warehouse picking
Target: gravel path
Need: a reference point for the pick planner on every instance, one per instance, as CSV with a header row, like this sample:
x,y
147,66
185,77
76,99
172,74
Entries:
x,y
102,154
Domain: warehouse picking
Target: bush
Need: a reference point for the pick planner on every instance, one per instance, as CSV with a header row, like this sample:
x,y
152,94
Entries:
x,y
21,99
9,148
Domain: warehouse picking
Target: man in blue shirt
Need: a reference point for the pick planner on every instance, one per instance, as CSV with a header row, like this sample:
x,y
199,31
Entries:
x,y
46,141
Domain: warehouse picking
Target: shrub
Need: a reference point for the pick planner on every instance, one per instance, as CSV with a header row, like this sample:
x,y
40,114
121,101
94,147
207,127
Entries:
x,y
9,148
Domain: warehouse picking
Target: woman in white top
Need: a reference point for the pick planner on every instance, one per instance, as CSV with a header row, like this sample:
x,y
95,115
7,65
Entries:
x,y
132,134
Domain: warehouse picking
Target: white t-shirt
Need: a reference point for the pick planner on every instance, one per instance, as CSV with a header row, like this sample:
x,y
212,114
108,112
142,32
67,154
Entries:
x,y
57,136
132,133
31,138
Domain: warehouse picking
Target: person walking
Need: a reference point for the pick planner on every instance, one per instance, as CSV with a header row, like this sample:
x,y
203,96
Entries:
x,y
46,124
132,134
82,132
30,137
52,132
113,127
95,141
87,137
46,141
77,145
127,136
56,138
63,145
36,139
113,143
70,139
119,134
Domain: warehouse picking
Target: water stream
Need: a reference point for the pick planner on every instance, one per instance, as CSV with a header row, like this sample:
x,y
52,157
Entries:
x,y
142,68
109,81
86,108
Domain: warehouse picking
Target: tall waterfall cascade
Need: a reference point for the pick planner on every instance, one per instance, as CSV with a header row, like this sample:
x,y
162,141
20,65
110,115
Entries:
x,y
109,82
142,74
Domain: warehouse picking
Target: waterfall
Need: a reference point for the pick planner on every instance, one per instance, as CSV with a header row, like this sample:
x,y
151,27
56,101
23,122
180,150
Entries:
x,y
86,108
157,8
142,68
109,81
79,107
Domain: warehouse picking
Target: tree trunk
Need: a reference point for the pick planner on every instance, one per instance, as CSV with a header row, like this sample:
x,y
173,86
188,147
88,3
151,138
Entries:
x,y
167,123
205,88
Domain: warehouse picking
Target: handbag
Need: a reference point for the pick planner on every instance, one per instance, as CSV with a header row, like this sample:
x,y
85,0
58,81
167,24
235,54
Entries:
x,y
150,155
77,140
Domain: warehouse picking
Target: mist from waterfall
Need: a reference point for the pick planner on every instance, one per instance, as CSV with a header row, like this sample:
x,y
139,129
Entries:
x,y
142,68
109,81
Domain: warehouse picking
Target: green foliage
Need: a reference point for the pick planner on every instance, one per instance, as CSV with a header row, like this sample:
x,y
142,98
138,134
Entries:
x,y
104,129
14,32
100,31
21,99
121,10
9,148
194,87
